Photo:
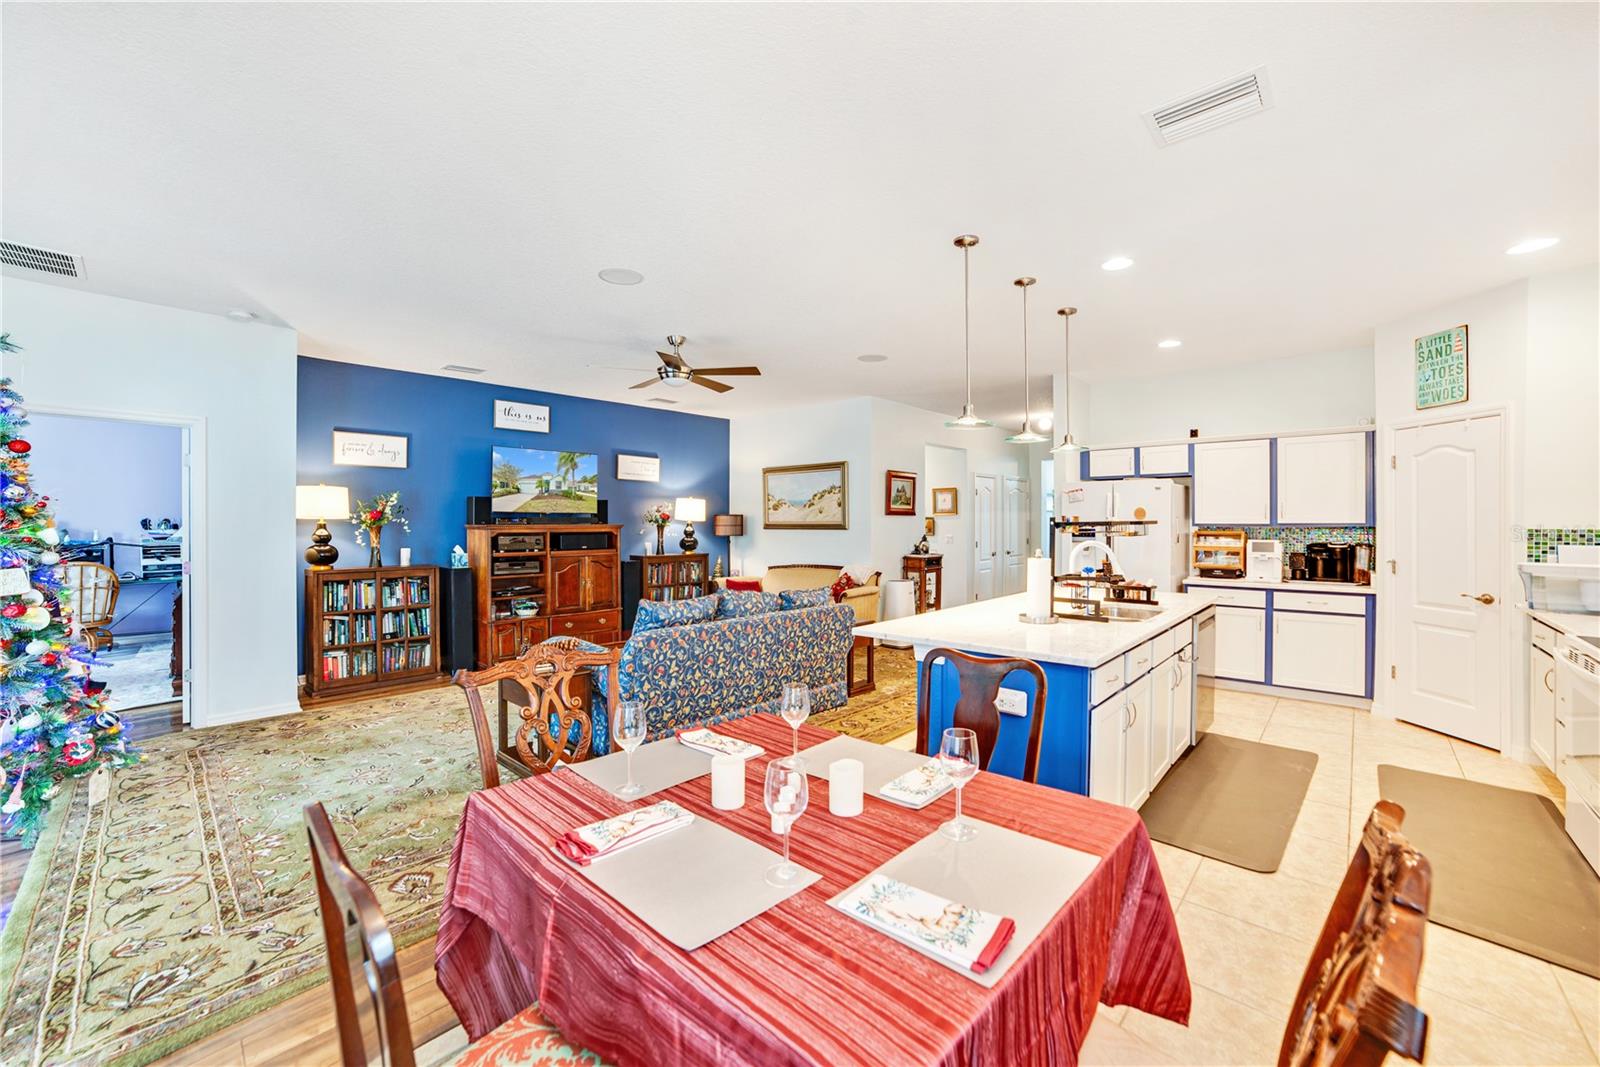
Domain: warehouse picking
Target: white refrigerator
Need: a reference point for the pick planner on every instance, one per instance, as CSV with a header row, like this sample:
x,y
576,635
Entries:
x,y
1161,555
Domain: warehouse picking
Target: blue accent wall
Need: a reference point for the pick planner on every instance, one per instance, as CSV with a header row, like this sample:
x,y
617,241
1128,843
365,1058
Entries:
x,y
450,424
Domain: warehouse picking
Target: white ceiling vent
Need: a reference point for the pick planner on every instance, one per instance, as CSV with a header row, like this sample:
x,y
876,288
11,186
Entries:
x,y
457,368
1215,105
40,259
660,400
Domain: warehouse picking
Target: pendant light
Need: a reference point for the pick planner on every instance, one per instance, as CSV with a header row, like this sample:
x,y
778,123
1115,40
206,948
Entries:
x,y
1026,436
969,418
1067,443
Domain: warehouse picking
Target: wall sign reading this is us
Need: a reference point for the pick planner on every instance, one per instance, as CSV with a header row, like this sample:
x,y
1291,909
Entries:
x,y
354,449
511,415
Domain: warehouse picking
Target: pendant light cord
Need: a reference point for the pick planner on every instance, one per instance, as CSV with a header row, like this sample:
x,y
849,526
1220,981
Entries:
x,y
1027,394
966,314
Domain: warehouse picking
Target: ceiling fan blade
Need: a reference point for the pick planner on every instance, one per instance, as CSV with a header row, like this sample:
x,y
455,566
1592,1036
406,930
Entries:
x,y
671,359
647,381
727,370
720,387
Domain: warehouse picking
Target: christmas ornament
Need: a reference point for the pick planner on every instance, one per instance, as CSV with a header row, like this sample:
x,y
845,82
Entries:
x,y
37,647
76,752
13,610
50,535
30,721
35,618
15,492
19,446
49,559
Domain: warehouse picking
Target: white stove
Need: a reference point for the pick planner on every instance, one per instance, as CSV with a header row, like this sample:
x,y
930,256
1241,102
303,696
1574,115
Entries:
x,y
1578,738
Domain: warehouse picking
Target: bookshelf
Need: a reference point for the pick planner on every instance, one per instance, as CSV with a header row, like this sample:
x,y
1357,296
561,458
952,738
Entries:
x,y
532,582
371,628
676,577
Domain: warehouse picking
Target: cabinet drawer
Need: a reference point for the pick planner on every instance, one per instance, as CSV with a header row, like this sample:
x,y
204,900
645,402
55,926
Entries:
x,y
1137,661
584,623
1542,636
1164,645
1108,678
1163,459
1330,603
1237,598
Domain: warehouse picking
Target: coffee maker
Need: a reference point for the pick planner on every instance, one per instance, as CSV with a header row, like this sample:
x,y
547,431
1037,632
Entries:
x,y
1330,562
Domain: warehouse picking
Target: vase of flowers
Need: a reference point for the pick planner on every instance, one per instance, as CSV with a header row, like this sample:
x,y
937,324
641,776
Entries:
x,y
371,516
658,516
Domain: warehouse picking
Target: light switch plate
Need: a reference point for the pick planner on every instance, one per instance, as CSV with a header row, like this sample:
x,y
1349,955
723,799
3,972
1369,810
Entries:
x,y
1012,702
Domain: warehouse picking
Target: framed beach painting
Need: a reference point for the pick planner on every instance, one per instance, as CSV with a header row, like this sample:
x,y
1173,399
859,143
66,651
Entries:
x,y
899,493
813,496
944,501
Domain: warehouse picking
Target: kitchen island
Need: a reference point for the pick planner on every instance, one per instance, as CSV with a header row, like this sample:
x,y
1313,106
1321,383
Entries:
x,y
1119,695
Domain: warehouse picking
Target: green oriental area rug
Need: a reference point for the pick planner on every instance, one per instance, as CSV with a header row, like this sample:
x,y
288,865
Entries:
x,y
183,901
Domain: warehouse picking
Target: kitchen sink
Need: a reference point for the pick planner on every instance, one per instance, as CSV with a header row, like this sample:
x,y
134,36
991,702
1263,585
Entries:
x,y
1131,612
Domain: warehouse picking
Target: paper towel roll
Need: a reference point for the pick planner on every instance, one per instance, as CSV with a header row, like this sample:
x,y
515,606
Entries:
x,y
1039,582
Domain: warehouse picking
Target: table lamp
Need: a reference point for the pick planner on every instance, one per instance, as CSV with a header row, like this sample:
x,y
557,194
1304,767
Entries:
x,y
689,510
321,503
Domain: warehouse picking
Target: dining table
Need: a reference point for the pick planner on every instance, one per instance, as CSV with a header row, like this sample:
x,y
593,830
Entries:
x,y
802,982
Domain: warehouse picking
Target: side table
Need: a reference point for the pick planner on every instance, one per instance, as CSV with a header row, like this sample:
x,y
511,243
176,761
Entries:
x,y
853,685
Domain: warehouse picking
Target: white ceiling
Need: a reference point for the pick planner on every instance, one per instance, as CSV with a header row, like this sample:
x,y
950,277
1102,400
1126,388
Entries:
x,y
416,185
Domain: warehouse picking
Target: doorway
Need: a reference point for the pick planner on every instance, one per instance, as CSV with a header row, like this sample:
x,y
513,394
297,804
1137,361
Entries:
x,y
1016,536
987,573
1447,559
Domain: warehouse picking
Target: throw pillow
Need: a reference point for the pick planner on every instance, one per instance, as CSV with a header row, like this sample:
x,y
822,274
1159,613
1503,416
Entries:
x,y
656,614
803,598
738,605
861,572
844,582
742,585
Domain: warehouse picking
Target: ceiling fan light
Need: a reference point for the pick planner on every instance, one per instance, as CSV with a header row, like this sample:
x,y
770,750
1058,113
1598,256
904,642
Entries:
x,y
673,376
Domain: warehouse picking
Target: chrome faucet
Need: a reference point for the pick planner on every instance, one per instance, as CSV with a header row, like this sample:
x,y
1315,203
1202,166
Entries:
x,y
1105,550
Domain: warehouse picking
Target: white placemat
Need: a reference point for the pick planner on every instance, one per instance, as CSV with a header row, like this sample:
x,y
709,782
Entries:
x,y
1023,878
693,885
656,766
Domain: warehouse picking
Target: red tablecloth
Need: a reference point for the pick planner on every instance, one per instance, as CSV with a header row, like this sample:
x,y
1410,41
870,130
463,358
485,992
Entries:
x,y
801,983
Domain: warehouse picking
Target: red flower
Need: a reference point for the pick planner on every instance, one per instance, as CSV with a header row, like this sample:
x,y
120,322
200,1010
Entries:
x,y
374,515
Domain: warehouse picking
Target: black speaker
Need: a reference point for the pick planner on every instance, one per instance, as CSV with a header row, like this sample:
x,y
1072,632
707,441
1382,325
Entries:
x,y
632,591
574,542
601,512
480,510
458,628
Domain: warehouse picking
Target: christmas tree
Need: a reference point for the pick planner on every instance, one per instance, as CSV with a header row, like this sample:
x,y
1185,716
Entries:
x,y
54,725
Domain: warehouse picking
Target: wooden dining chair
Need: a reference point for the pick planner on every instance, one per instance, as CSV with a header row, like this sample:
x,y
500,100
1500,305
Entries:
x,y
549,673
369,1000
1357,999
94,588
979,678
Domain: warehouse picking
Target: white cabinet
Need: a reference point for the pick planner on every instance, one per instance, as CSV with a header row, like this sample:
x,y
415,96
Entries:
x,y
1163,699
1233,483
1136,777
1327,653
1183,705
1106,726
1322,479
1111,463
1241,644
1542,705
1159,460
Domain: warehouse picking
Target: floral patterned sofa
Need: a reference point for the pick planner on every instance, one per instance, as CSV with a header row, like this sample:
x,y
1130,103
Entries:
x,y
704,673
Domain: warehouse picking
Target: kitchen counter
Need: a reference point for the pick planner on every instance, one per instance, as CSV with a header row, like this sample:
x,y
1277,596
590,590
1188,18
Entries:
x,y
1567,622
993,627
1287,586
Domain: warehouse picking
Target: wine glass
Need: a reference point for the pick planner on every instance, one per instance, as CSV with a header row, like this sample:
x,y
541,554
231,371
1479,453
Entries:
x,y
630,728
795,708
786,794
958,759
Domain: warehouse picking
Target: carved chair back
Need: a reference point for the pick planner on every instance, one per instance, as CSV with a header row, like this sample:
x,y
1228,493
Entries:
x,y
1357,999
979,678
546,672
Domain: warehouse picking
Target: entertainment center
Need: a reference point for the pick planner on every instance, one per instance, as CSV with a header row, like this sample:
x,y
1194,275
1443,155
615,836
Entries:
x,y
533,581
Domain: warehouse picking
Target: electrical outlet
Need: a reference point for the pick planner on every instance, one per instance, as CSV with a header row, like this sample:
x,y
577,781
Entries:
x,y
1012,702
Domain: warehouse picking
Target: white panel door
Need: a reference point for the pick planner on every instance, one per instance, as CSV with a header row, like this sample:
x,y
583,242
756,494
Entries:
x,y
1322,479
1542,705
1241,644
1233,483
1105,750
1445,535
986,537
1162,697
1136,779
1327,653
1111,463
1014,534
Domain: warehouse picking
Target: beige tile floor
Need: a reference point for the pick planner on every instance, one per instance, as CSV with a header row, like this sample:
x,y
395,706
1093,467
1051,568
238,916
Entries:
x,y
1246,936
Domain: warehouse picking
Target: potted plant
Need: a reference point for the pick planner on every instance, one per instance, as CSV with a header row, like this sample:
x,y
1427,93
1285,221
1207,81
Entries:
x,y
659,516
371,516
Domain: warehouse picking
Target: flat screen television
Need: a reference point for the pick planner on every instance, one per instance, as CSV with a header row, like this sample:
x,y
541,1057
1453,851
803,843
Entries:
x,y
533,481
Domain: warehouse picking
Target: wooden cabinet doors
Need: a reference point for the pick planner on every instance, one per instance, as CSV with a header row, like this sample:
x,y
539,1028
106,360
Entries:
x,y
580,582
1233,483
602,574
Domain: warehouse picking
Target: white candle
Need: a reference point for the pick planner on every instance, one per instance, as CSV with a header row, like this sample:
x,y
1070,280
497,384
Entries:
x,y
405,557
1039,582
845,778
727,782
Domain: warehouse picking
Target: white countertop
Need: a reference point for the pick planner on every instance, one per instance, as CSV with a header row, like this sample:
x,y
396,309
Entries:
x,y
1293,587
1568,622
993,627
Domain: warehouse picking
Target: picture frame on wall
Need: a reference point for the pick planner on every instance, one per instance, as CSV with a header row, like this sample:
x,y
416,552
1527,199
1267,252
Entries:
x,y
355,448
899,492
946,501
1441,368
811,496
635,468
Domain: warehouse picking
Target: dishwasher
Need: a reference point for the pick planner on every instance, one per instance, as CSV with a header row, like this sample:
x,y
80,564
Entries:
x,y
1205,660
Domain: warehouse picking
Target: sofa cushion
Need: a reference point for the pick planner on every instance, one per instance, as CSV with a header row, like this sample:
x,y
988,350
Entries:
x,y
804,598
655,614
742,585
738,605
798,576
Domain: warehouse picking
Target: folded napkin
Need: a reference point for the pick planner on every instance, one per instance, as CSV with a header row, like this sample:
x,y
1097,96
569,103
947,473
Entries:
x,y
965,936
917,787
610,836
704,740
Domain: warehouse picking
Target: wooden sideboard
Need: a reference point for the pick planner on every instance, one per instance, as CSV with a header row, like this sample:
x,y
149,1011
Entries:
x,y
530,585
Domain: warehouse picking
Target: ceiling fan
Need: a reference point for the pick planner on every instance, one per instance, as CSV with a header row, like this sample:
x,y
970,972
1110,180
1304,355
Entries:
x,y
675,372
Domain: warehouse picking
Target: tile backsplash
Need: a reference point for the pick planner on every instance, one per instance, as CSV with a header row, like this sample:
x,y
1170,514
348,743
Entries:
x,y
1542,541
1296,538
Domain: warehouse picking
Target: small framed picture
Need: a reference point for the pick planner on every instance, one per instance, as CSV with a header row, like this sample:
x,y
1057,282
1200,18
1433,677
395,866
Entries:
x,y
944,501
899,493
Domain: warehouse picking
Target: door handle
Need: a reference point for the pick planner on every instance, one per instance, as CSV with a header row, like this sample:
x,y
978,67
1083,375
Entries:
x,y
1548,676
1482,598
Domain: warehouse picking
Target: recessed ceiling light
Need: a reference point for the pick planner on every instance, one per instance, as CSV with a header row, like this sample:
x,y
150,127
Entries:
x,y
241,315
1117,263
621,276
873,357
1532,244
1171,342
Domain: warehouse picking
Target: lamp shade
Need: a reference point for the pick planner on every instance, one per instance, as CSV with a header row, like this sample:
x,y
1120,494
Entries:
x,y
727,525
321,502
689,509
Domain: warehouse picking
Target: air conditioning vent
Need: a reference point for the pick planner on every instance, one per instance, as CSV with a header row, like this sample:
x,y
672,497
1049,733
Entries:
x,y
40,259
660,400
1216,105
457,368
